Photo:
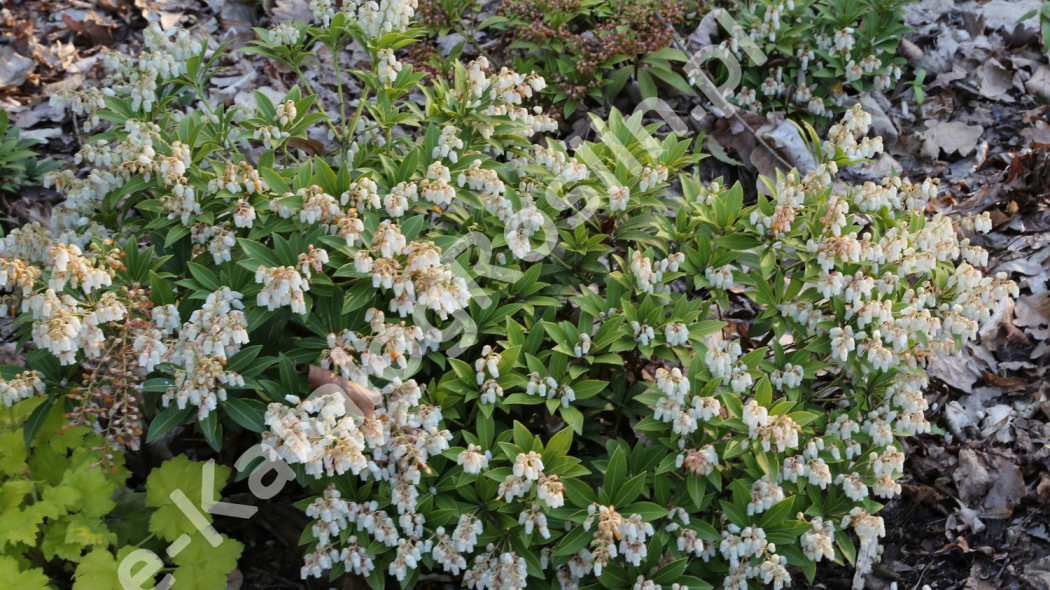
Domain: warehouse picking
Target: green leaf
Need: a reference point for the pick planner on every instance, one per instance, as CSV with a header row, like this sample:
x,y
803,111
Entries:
x,y
169,418
358,296
573,541
558,445
616,472
243,359
630,491
97,571
573,417
260,253
205,277
647,510
849,552
179,474
203,567
36,420
11,576
248,413
588,388
275,181
670,573
212,430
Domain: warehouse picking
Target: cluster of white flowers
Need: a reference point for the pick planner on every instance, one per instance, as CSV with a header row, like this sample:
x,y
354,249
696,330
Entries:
x,y
392,444
61,326
448,145
389,345
631,532
213,334
285,34
487,368
764,494
583,345
413,271
522,225
379,17
701,462
528,468
739,547
643,333
789,377
282,285
334,516
549,388
388,67
651,178
618,198
676,334
677,408
649,274
504,571
473,459
166,57
869,529
507,90
819,541
25,385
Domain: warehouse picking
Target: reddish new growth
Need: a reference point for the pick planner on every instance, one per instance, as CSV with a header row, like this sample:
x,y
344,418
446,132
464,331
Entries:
x,y
433,15
595,38
109,396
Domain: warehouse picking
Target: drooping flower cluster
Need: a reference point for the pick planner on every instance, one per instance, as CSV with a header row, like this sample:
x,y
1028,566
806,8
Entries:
x,y
394,445
204,344
25,385
831,45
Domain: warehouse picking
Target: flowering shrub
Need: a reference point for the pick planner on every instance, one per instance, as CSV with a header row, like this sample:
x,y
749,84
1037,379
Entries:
x,y
560,390
817,52
590,50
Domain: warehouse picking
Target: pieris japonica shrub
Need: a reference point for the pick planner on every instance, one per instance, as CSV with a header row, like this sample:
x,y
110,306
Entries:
x,y
816,52
591,366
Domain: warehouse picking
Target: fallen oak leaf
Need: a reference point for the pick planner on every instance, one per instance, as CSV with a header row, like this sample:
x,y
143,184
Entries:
x,y
360,401
91,28
1007,384
952,137
312,147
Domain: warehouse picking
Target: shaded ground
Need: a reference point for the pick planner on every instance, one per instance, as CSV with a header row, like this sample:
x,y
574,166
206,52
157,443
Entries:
x,y
975,508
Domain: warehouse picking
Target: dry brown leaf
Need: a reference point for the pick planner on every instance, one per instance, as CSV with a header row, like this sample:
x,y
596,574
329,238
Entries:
x,y
1037,574
310,146
360,401
950,136
971,478
1039,83
911,50
1008,486
1033,313
13,68
958,371
789,145
997,423
289,10
1007,384
995,81
1039,134
1004,14
91,27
